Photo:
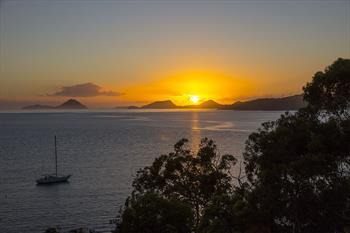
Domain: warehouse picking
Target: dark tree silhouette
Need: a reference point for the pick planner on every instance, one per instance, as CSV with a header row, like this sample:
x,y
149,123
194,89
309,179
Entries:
x,y
151,213
182,175
298,169
330,90
299,166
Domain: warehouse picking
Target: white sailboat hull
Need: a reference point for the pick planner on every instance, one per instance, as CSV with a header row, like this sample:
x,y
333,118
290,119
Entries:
x,y
51,179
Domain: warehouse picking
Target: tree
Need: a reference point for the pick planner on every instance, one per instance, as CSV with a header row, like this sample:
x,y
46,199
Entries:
x,y
299,173
299,166
193,179
151,213
225,214
330,90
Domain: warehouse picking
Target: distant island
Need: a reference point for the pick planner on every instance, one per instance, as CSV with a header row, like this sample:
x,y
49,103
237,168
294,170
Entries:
x,y
294,102
69,104
167,104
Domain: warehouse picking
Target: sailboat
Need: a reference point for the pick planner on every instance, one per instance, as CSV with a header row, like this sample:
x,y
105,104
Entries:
x,y
53,178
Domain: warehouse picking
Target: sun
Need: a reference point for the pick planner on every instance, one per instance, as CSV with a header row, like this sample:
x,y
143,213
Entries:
x,y
194,99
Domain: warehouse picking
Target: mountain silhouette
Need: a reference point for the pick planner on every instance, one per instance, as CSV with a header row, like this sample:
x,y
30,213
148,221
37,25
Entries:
x,y
38,106
70,104
160,105
294,102
168,104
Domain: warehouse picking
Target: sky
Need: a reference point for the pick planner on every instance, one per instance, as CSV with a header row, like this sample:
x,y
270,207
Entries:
x,y
115,53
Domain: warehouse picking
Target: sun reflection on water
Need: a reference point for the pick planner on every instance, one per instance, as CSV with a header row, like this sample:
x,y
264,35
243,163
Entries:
x,y
195,131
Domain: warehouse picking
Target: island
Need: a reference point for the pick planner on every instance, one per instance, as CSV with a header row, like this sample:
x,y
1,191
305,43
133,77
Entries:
x,y
291,103
288,103
167,104
69,104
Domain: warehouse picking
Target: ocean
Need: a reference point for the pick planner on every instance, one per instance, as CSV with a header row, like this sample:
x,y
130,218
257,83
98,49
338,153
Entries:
x,y
102,149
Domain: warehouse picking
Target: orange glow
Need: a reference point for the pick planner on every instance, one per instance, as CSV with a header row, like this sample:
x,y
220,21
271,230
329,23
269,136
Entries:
x,y
183,88
180,89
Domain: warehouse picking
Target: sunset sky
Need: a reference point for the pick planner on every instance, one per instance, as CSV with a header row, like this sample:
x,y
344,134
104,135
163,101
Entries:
x,y
116,53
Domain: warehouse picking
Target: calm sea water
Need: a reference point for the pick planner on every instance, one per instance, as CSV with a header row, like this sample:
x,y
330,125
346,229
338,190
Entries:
x,y
102,150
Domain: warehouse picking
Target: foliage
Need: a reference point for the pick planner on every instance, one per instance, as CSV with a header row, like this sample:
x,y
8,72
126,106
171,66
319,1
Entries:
x,y
185,176
151,213
225,214
299,171
190,178
299,166
330,90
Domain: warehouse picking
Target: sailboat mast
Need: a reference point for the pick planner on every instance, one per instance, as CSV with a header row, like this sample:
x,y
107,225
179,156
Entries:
x,y
56,154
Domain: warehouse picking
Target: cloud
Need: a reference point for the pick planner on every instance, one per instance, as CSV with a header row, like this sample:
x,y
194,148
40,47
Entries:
x,y
84,90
